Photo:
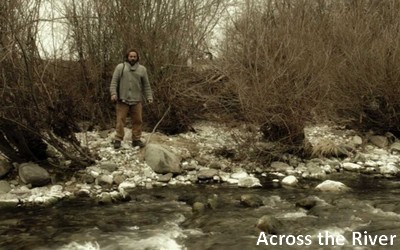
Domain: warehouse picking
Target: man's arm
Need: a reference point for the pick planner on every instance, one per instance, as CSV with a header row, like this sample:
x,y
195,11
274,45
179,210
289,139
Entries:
x,y
146,87
114,82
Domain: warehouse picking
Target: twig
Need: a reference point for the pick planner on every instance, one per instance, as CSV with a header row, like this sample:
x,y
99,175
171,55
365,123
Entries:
x,y
158,123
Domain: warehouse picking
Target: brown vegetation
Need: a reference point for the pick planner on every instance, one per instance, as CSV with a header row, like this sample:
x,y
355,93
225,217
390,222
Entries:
x,y
47,97
294,62
282,65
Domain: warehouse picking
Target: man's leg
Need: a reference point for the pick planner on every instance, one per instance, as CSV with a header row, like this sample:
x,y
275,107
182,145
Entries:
x,y
122,111
136,116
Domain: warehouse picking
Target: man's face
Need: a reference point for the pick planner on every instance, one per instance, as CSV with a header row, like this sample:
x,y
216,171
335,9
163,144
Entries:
x,y
132,58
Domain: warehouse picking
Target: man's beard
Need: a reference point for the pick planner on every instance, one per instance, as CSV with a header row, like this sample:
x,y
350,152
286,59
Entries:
x,y
132,62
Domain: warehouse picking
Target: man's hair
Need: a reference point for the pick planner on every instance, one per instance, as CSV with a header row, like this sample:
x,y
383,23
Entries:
x,y
129,51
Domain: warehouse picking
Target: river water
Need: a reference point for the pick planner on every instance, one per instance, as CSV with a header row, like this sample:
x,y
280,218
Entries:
x,y
162,218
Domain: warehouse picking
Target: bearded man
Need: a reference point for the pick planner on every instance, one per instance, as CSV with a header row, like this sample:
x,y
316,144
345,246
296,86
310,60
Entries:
x,y
129,88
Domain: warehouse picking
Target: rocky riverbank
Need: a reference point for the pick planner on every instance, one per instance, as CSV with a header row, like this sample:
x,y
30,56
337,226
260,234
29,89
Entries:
x,y
215,153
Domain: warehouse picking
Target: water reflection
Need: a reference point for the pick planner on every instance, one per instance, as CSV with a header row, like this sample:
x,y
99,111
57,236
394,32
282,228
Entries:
x,y
162,218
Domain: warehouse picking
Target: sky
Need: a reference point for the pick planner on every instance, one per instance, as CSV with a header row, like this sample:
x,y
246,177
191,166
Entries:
x,y
52,34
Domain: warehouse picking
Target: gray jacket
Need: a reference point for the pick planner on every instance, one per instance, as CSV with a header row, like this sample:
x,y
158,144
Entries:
x,y
132,83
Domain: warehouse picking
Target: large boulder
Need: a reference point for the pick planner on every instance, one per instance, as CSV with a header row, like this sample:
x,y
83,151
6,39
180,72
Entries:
x,y
33,174
161,160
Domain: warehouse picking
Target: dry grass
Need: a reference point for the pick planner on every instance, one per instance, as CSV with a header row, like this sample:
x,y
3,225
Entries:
x,y
327,148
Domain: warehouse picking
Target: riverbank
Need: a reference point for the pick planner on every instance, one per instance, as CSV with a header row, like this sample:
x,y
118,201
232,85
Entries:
x,y
214,153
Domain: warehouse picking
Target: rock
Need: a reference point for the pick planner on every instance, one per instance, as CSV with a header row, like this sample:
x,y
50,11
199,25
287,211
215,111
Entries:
x,y
269,225
104,134
314,171
216,178
5,167
190,166
190,198
280,166
118,179
395,147
104,198
352,166
239,175
379,141
86,178
212,201
148,173
56,189
4,187
359,157
327,168
161,160
110,167
126,186
357,140
94,173
181,178
330,211
203,160
82,193
332,186
198,207
21,191
309,202
33,174
9,203
116,196
192,179
206,174
124,196
105,179
290,181
216,165
251,200
165,177
232,181
249,182
389,169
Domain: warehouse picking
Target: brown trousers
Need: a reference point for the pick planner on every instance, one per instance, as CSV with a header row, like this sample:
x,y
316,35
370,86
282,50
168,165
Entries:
x,y
135,112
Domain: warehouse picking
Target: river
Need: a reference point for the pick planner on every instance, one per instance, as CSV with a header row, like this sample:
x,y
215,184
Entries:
x,y
162,218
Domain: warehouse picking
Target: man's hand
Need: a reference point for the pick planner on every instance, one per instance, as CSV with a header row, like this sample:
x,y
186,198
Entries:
x,y
114,98
149,101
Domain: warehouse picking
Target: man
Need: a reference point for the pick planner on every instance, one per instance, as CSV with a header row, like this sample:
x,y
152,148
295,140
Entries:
x,y
129,85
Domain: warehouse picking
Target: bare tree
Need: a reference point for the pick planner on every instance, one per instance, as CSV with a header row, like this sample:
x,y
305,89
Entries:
x,y
32,116
167,33
44,99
